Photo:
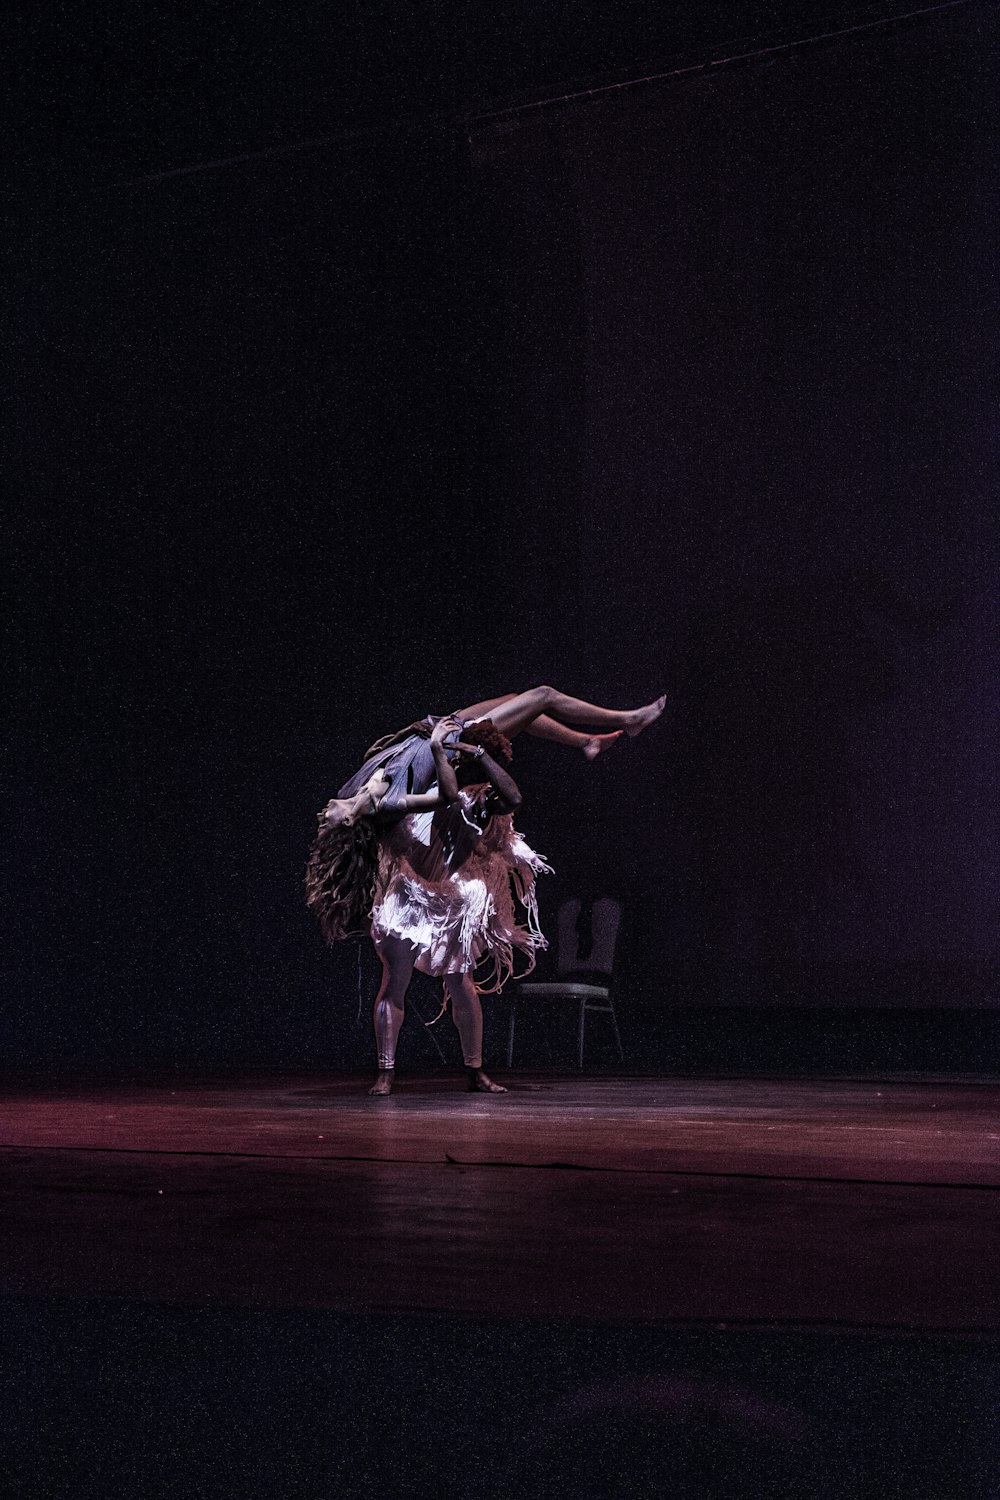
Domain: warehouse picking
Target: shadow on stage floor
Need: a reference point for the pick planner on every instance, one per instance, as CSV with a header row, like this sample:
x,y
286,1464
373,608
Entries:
x,y
273,1286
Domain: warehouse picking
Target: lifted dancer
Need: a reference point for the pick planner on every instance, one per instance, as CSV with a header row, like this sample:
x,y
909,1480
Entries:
x,y
404,760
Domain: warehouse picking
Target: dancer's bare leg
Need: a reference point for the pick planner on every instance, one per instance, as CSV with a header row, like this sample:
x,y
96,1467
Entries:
x,y
397,969
518,711
487,708
467,1011
544,728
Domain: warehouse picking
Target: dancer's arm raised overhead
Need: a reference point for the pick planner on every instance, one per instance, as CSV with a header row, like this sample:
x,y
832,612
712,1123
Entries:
x,y
506,796
447,782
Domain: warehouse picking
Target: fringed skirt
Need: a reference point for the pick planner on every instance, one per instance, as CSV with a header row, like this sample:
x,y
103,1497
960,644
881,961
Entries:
x,y
485,914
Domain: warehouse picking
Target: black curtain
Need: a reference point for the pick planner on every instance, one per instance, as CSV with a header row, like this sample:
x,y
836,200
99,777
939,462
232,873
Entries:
x,y
785,506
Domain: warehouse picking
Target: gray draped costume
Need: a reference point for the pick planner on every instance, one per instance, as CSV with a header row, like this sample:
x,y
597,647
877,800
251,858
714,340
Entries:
x,y
407,761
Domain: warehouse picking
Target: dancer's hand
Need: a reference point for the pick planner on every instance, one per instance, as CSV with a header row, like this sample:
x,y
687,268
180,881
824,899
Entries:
x,y
446,780
442,729
507,797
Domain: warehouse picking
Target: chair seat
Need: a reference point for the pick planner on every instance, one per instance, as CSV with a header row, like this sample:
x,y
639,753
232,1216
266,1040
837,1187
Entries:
x,y
565,988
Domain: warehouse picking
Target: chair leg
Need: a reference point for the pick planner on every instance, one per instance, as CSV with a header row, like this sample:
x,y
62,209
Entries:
x,y
510,1033
618,1040
583,1022
430,1034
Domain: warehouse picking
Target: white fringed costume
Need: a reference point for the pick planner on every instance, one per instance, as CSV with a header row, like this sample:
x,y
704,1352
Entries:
x,y
450,882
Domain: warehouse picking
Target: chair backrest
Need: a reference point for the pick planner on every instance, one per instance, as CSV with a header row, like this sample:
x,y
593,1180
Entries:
x,y
597,956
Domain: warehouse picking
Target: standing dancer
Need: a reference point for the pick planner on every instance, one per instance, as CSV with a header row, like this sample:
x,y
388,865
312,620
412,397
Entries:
x,y
448,887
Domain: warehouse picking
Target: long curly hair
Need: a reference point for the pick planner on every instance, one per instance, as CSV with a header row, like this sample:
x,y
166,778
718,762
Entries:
x,y
340,877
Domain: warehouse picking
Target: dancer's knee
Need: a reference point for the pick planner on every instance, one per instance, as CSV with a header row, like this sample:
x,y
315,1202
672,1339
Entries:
x,y
390,998
463,994
541,697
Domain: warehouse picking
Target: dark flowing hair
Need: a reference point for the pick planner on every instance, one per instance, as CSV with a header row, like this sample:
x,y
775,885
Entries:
x,y
340,877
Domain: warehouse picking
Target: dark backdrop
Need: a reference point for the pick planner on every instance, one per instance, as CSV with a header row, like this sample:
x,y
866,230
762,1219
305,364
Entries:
x,y
691,391
784,495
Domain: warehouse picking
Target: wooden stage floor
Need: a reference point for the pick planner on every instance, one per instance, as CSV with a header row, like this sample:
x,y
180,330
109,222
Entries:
x,y
833,1203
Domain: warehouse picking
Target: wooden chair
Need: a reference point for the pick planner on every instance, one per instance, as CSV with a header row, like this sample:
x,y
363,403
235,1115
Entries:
x,y
590,990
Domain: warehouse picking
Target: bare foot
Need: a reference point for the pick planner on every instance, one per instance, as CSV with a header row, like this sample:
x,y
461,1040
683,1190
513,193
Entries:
x,y
481,1083
382,1086
599,742
641,718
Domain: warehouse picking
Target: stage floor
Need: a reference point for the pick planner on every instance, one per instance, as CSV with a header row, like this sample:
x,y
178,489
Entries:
x,y
763,1202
